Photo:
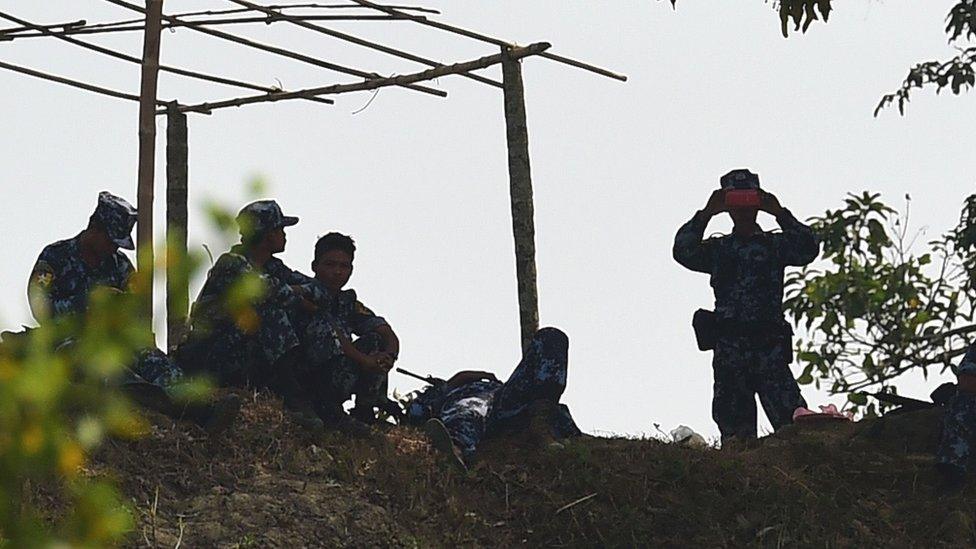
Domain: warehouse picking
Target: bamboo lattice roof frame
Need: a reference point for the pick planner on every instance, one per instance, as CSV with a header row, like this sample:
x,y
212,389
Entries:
x,y
507,55
278,13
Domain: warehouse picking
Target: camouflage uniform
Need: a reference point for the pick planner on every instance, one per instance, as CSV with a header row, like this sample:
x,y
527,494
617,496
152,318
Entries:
x,y
753,350
337,376
959,422
61,282
482,408
240,344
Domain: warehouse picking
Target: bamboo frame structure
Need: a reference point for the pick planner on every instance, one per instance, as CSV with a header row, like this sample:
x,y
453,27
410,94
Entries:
x,y
154,21
145,256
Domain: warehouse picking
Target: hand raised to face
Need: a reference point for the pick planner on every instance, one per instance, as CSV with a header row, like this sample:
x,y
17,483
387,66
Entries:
x,y
716,203
769,204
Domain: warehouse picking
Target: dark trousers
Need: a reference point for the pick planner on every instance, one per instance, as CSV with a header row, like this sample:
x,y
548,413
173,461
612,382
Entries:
x,y
743,367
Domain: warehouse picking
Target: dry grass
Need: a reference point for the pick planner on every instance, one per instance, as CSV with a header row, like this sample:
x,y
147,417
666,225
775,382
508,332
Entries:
x,y
268,484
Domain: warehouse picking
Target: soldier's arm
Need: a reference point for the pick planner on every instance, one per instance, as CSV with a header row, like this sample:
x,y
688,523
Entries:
x,y
689,249
39,287
799,245
42,300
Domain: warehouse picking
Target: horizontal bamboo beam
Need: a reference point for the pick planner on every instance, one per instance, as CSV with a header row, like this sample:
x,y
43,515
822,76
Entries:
x,y
488,39
273,7
514,53
132,26
137,61
276,50
356,40
73,83
63,26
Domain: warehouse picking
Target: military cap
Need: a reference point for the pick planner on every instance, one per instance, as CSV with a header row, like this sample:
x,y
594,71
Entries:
x,y
740,179
261,216
116,216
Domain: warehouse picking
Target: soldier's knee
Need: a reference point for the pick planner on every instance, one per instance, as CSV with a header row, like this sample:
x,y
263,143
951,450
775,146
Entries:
x,y
553,339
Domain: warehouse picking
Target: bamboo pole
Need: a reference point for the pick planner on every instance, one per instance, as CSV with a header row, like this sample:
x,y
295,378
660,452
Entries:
x,y
129,26
358,41
514,53
62,26
488,39
177,266
147,152
73,83
131,59
277,7
520,191
276,50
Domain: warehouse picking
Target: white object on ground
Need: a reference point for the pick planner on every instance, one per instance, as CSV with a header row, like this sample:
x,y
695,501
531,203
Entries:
x,y
685,436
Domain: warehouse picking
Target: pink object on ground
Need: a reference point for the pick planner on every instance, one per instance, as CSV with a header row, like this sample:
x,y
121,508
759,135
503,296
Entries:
x,y
826,412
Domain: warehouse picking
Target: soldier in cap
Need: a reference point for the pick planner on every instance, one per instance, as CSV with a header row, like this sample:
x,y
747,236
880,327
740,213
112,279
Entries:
x,y
460,412
341,366
66,273
751,339
243,324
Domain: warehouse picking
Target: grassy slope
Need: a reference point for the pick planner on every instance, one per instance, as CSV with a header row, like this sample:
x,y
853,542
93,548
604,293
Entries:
x,y
268,484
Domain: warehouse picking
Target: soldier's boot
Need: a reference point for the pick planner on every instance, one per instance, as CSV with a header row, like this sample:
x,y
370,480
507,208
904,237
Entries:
x,y
952,478
363,413
222,414
440,439
285,383
336,419
539,430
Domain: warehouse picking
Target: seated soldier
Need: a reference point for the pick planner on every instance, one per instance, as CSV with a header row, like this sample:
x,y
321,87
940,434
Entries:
x,y
343,367
471,405
65,274
959,426
242,327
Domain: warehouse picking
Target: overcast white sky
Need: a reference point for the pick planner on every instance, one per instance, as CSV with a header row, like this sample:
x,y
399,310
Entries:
x,y
422,182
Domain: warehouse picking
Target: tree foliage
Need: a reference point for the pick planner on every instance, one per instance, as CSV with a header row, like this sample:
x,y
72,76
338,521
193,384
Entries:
x,y
60,399
957,74
881,303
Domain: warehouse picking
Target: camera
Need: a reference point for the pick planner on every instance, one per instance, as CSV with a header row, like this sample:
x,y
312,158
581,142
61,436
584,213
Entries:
x,y
742,189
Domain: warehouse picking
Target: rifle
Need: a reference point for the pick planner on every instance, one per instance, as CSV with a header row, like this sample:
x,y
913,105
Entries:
x,y
430,380
907,404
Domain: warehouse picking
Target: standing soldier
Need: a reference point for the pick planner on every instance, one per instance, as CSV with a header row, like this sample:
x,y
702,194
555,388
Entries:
x,y
242,326
751,339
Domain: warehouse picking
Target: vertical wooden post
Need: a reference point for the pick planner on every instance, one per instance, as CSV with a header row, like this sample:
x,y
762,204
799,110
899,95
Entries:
x,y
177,272
520,190
147,151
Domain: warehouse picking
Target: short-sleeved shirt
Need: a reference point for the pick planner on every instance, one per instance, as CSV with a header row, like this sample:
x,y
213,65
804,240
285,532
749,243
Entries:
x,y
63,280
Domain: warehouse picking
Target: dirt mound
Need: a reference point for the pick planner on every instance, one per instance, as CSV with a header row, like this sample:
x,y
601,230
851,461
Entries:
x,y
266,483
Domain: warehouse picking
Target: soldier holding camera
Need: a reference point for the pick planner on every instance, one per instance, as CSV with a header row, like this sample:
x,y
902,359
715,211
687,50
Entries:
x,y
751,340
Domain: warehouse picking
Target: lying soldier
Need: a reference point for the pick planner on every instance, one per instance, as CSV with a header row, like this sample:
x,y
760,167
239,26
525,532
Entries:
x,y
460,412
242,326
66,273
340,366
